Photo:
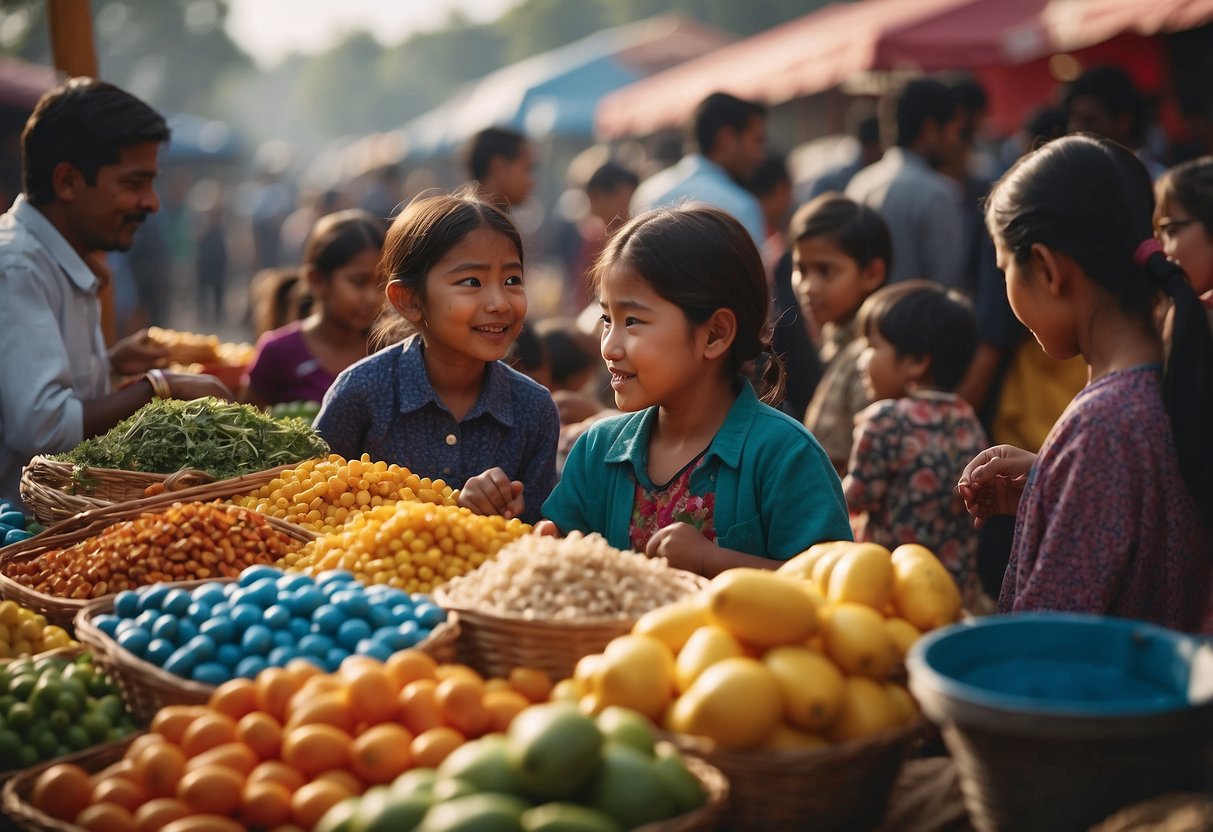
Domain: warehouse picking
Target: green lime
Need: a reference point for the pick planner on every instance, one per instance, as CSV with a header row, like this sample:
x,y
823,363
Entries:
x,y
58,721
44,663
95,723
112,706
20,718
75,687
27,756
10,744
20,667
68,703
22,686
98,685
5,677
77,738
44,739
7,701
45,694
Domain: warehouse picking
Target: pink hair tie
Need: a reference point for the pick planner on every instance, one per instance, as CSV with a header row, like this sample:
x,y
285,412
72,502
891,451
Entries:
x,y
1148,247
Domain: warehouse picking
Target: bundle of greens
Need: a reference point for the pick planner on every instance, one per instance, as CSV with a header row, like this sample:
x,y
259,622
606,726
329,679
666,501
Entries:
x,y
225,440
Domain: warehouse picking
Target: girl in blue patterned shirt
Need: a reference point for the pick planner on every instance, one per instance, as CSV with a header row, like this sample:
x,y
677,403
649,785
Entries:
x,y
442,402
697,470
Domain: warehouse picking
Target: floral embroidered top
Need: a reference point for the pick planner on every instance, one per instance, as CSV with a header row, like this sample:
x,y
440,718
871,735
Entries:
x,y
656,507
908,456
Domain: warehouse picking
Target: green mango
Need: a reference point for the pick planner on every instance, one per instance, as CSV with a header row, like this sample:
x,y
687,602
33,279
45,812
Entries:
x,y
476,813
567,817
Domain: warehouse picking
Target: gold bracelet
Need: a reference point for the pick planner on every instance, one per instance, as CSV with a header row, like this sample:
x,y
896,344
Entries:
x,y
160,386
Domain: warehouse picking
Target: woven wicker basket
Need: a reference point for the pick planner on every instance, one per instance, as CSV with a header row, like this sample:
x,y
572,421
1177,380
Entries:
x,y
149,688
62,611
18,792
842,787
496,644
56,491
19,788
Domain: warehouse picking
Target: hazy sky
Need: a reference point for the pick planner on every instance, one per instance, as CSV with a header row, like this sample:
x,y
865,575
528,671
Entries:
x,y
269,29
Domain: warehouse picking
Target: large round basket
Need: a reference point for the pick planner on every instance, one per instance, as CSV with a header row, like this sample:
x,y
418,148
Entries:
x,y
56,491
62,611
19,789
843,787
149,688
496,644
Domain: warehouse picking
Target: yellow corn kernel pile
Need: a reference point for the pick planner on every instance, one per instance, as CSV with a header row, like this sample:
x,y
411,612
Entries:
x,y
323,494
409,545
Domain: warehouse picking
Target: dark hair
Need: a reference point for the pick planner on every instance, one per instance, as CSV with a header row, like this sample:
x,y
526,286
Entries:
x,y
337,238
971,99
1089,198
1191,185
609,176
86,123
857,229
423,233
701,259
770,172
919,100
490,143
1044,125
527,354
1112,87
921,318
720,110
867,132
276,297
569,350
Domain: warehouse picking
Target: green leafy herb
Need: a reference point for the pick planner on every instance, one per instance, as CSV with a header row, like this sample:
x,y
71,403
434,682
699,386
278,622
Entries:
x,y
225,440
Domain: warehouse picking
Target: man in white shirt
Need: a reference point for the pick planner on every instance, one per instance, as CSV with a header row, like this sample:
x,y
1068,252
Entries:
x,y
921,206
88,159
729,136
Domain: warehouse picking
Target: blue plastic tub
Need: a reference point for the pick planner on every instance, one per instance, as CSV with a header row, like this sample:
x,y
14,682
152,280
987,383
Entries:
x,y
1057,720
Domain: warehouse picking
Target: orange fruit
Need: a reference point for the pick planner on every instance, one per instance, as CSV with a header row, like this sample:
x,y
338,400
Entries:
x,y
416,707
381,753
141,742
212,790
431,747
123,768
316,686
158,813
62,791
409,666
106,817
262,733
235,698
205,823
309,804
460,702
206,732
497,683
301,670
274,689
234,755
266,804
372,693
160,767
357,660
534,684
171,721
502,706
121,792
274,771
316,748
330,708
343,778
446,671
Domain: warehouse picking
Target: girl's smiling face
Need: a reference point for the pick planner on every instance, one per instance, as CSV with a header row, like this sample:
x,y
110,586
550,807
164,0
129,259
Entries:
x,y
1187,241
474,302
653,352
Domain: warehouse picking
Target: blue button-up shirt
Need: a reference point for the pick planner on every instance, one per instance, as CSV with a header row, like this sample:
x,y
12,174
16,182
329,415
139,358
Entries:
x,y
698,179
52,352
385,406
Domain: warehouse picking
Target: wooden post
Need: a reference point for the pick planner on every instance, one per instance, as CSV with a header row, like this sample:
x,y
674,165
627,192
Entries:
x,y
75,53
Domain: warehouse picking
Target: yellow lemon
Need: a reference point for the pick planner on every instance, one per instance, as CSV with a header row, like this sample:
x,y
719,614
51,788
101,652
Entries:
x,y
812,686
863,575
785,736
584,672
636,672
566,690
867,709
801,566
736,703
761,608
903,634
673,623
704,648
856,639
924,592
903,703
825,565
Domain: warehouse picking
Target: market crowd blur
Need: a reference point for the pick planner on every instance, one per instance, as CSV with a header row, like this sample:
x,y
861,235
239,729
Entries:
x,y
942,341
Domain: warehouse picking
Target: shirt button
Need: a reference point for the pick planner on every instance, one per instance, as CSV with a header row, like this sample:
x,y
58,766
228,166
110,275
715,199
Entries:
x,y
450,439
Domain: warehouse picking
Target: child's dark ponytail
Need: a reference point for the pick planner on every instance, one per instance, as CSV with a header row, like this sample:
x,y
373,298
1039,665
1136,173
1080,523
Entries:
x,y
1188,382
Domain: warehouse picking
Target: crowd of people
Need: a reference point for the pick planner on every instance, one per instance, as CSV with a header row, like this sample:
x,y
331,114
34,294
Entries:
x,y
914,354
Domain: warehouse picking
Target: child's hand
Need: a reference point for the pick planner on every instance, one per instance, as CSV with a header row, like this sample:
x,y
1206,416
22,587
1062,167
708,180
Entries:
x,y
492,493
684,546
994,481
546,528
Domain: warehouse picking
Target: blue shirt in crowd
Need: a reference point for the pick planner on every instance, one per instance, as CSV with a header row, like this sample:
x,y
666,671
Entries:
x,y
698,179
385,406
776,492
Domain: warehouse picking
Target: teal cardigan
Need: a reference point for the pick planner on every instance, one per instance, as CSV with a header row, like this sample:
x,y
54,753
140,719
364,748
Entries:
x,y
776,491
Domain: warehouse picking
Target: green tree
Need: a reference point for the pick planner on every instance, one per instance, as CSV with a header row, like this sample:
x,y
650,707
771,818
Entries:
x,y
539,25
